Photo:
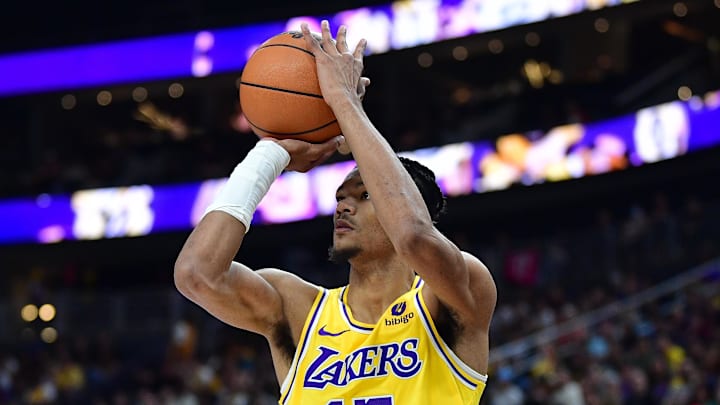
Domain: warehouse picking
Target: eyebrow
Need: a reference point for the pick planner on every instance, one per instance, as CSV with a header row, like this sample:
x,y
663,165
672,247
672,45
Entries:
x,y
356,185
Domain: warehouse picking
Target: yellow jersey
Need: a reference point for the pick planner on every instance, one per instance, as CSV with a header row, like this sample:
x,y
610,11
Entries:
x,y
400,360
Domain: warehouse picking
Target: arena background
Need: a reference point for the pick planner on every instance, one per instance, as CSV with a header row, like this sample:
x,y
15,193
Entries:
x,y
628,257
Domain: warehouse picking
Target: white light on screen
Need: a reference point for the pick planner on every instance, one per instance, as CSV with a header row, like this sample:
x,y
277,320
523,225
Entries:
x,y
374,26
294,23
415,23
204,41
113,212
201,66
51,234
661,132
288,199
452,165
576,165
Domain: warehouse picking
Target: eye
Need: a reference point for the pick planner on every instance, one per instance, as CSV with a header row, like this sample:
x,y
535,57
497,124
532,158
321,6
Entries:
x,y
338,198
365,195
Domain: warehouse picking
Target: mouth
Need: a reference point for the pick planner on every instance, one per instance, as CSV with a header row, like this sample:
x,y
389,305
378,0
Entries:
x,y
342,226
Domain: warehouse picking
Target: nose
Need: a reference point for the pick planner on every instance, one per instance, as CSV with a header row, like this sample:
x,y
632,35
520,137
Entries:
x,y
345,206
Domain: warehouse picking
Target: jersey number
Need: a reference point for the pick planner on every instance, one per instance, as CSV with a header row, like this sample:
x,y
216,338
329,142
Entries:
x,y
365,401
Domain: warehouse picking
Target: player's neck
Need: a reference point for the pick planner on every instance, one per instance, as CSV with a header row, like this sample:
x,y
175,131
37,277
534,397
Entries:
x,y
372,289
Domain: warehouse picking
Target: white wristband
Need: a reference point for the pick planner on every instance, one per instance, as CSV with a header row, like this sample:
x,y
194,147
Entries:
x,y
250,181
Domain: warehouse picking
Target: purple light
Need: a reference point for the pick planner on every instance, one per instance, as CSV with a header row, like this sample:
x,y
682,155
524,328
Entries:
x,y
393,26
135,61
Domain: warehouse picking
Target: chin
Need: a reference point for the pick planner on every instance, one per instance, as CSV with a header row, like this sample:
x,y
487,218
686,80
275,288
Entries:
x,y
339,254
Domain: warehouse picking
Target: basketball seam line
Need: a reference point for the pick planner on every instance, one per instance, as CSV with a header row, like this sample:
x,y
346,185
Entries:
x,y
289,46
300,93
291,133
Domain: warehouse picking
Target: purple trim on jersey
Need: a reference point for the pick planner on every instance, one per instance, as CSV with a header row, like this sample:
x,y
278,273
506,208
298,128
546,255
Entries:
x,y
419,282
304,343
347,315
425,317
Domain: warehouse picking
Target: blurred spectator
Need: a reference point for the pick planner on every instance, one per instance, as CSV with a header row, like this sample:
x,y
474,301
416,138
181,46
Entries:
x,y
504,391
565,390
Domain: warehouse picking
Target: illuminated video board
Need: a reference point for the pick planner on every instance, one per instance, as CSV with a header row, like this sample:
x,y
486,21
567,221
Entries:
x,y
566,152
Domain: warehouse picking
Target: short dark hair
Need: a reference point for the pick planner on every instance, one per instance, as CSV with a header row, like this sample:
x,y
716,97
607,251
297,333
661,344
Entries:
x,y
424,179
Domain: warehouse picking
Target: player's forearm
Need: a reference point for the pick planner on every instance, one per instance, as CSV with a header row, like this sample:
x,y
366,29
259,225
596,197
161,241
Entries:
x,y
397,201
208,251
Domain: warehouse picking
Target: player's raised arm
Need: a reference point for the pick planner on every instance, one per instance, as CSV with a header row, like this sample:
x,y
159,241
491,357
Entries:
x,y
205,272
460,282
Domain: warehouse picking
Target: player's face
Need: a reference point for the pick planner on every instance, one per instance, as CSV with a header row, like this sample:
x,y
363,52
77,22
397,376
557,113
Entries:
x,y
357,230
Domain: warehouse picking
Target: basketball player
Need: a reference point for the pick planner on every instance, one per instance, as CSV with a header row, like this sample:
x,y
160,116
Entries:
x,y
411,327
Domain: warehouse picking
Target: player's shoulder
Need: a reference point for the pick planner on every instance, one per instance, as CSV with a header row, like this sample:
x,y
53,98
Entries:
x,y
298,297
480,275
289,285
474,262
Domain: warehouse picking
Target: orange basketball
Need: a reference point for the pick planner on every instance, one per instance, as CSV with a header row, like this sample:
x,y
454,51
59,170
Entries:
x,y
280,94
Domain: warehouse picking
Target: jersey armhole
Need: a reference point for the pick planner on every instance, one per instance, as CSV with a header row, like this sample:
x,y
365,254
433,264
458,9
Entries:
x,y
308,329
464,373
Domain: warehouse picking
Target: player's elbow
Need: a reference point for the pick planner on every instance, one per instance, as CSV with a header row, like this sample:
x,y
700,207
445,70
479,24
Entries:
x,y
187,277
413,237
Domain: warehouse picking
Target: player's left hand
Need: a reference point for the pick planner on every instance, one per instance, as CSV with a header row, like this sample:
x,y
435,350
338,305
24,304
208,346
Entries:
x,y
362,86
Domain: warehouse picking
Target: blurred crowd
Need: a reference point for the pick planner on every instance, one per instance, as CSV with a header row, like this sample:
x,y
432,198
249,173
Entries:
x,y
108,369
665,352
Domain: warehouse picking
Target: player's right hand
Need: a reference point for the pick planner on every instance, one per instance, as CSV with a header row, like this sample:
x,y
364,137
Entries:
x,y
339,70
305,155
